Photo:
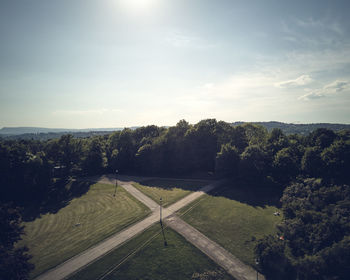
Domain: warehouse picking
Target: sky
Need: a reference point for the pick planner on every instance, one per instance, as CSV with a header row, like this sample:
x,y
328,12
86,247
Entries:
x,y
120,63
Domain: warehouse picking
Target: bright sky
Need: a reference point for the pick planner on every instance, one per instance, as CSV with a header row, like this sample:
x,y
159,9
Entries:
x,y
116,63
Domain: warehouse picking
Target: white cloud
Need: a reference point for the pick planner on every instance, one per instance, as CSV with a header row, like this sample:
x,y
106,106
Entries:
x,y
311,95
309,22
300,81
182,40
336,86
235,87
328,90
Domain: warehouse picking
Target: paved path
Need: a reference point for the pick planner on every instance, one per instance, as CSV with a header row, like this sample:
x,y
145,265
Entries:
x,y
214,251
83,259
140,196
79,261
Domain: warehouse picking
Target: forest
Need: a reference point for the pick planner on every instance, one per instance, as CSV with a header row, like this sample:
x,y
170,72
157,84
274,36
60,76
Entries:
x,y
311,171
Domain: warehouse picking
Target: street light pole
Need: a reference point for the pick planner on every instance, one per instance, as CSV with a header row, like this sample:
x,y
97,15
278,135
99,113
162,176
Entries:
x,y
116,182
160,210
257,273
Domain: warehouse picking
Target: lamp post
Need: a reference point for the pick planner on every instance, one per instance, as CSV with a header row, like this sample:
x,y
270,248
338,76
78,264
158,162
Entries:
x,y
116,181
160,210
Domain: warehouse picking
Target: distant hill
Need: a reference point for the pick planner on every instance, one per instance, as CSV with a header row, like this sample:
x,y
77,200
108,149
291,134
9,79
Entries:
x,y
41,133
304,129
52,135
35,130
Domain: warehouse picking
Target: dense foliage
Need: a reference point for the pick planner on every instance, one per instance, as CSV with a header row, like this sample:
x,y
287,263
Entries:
x,y
314,239
32,168
33,172
13,261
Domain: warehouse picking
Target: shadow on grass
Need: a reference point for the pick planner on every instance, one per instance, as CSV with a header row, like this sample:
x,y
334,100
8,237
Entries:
x,y
168,184
246,189
59,195
250,191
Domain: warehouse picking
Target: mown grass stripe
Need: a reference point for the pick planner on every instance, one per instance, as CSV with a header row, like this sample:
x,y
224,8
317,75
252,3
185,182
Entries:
x,y
53,238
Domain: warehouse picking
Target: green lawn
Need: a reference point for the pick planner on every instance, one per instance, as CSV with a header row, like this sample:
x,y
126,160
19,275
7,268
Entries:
x,y
169,190
235,225
86,220
153,260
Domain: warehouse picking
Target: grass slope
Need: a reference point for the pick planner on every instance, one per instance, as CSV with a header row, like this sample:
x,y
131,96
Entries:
x,y
177,260
85,221
169,190
233,224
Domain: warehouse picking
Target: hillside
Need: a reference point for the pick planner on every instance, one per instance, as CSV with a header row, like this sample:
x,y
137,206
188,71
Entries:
x,y
41,133
35,130
304,129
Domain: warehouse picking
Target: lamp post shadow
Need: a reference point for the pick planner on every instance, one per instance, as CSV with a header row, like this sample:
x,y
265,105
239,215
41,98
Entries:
x,y
163,233
161,222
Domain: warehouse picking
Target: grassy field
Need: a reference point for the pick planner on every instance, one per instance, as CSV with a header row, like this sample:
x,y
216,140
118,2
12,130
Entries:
x,y
86,220
234,218
153,260
169,190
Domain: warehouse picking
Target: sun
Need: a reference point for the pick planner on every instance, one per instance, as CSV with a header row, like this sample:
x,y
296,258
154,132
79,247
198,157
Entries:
x,y
137,6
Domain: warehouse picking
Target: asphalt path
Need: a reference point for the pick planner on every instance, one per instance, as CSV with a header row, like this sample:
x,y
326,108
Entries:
x,y
140,196
85,258
214,251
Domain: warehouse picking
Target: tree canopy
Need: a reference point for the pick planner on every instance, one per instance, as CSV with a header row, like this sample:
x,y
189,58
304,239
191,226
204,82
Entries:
x,y
313,171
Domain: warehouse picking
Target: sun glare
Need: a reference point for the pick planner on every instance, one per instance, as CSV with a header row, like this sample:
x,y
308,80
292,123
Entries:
x,y
137,6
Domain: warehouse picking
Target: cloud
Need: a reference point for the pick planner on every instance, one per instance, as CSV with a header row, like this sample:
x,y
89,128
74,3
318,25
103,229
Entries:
x,y
328,90
336,86
324,24
182,40
309,22
300,81
235,87
314,34
311,95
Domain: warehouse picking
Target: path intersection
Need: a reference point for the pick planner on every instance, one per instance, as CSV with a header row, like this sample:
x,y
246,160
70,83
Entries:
x,y
218,254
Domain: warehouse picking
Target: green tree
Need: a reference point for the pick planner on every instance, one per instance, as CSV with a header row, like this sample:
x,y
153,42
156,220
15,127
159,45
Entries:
x,y
255,134
112,159
65,152
276,141
286,164
239,138
271,253
227,161
94,161
315,232
176,153
321,137
254,161
311,163
127,148
336,159
201,145
14,261
144,159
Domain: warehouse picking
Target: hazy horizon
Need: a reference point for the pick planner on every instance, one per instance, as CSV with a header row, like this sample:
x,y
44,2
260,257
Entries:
x,y
123,63
136,126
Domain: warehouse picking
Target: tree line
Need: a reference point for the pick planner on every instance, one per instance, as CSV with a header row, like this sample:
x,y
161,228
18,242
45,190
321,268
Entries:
x,y
34,172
